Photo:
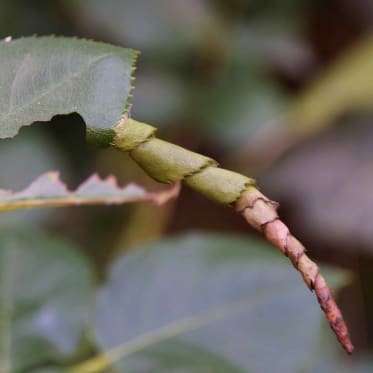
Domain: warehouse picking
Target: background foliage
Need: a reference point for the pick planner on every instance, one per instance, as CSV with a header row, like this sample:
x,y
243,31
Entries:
x,y
265,88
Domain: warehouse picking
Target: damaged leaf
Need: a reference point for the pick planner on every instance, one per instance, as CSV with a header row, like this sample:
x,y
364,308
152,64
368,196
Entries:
x,y
45,76
49,191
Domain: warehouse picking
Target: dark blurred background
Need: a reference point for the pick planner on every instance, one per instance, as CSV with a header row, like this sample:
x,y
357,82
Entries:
x,y
264,87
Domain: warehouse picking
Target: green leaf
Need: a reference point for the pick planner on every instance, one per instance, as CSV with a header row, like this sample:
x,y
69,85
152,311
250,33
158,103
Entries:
x,y
229,302
48,191
46,293
346,86
239,104
45,76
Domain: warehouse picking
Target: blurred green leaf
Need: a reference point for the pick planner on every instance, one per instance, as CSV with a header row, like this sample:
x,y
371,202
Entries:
x,y
50,369
46,294
46,76
159,97
155,25
237,105
343,364
329,358
231,303
20,17
344,87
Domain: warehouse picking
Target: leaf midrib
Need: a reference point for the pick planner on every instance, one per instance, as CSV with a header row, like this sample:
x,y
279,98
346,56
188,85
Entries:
x,y
182,326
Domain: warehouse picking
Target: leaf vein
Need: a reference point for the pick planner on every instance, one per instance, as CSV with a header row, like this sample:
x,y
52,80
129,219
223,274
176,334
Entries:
x,y
68,78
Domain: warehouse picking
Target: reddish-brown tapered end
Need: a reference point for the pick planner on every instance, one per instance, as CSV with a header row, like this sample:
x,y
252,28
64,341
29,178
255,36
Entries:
x,y
261,214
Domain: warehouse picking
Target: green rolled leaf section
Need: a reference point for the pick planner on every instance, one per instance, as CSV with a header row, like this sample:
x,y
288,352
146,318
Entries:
x,y
167,162
131,133
220,185
41,77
